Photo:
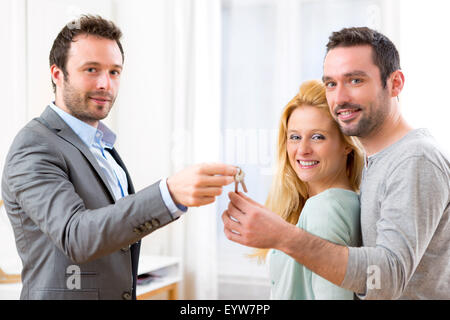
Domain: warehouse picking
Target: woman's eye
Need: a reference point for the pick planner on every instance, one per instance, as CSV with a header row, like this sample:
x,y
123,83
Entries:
x,y
91,70
294,137
318,137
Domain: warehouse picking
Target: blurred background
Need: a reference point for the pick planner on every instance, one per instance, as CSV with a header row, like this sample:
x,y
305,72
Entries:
x,y
206,80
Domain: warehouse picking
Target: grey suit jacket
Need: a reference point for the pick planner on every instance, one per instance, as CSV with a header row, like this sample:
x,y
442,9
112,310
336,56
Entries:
x,y
72,237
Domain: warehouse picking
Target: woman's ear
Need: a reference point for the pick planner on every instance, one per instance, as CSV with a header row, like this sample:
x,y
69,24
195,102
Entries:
x,y
347,150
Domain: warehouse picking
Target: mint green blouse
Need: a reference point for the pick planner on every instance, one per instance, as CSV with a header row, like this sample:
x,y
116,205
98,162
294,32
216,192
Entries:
x,y
332,215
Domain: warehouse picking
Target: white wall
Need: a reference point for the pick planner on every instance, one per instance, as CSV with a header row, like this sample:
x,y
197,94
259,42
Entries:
x,y
155,54
143,119
13,83
424,56
29,28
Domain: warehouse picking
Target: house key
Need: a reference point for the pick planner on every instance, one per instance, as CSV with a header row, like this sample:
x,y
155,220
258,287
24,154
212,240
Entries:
x,y
239,178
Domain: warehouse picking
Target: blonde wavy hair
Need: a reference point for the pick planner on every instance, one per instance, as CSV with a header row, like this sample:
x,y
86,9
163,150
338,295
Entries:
x,y
288,193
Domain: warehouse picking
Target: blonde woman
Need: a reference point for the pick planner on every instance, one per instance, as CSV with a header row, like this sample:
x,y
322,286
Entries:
x,y
315,187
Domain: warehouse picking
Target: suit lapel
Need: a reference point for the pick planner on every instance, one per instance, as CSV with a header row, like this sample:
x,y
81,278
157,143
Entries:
x,y
119,161
59,126
135,248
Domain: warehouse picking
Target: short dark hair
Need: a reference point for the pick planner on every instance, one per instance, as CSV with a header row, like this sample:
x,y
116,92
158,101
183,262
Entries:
x,y
86,24
385,55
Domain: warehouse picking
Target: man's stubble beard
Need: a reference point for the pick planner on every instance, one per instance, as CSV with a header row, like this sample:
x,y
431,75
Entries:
x,y
78,103
369,122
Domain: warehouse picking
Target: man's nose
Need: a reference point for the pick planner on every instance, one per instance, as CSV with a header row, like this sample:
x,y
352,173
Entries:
x,y
341,95
103,81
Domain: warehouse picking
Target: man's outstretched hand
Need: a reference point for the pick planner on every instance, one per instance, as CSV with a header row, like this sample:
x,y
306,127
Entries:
x,y
200,184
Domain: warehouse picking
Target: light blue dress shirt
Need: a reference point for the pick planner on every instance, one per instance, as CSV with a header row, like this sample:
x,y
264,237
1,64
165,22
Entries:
x,y
101,138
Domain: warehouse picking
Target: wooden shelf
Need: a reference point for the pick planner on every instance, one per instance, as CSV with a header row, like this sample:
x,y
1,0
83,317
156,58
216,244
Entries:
x,y
167,272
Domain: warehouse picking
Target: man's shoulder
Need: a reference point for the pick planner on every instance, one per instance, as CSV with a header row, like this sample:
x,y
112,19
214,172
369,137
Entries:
x,y
418,145
421,142
33,132
32,141
417,157
33,146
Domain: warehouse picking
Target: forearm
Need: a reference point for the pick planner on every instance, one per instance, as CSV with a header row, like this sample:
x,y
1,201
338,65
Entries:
x,y
254,225
323,257
117,225
85,234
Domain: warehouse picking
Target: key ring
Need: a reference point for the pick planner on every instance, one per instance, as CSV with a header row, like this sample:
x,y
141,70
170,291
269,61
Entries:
x,y
239,178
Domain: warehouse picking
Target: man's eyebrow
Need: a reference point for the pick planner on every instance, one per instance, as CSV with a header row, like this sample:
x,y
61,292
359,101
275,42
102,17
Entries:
x,y
94,63
356,73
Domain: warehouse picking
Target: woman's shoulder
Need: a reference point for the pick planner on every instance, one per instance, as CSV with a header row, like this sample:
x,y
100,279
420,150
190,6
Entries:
x,y
333,215
336,197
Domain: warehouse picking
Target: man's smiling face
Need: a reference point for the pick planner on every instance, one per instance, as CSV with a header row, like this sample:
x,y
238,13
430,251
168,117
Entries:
x,y
354,90
94,66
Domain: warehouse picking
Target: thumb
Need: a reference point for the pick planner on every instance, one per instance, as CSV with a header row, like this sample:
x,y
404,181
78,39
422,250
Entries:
x,y
242,202
250,200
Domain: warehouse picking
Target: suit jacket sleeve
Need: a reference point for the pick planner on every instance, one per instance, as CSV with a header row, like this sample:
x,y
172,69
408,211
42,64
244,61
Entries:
x,y
37,178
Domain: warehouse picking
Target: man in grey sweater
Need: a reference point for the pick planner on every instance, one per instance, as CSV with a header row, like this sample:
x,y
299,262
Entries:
x,y
405,190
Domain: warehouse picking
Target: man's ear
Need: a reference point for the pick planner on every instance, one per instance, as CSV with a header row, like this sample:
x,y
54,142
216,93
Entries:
x,y
397,81
57,75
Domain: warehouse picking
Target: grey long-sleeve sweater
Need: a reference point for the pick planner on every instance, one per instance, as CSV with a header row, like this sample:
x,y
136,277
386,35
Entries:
x,y
405,223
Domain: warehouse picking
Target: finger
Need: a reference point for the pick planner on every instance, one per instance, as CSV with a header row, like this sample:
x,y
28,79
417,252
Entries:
x,y
218,169
240,203
235,212
250,200
215,181
207,192
232,236
202,201
229,223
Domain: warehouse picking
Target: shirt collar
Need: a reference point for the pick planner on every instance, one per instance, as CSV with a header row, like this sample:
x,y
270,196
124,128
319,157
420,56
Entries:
x,y
87,133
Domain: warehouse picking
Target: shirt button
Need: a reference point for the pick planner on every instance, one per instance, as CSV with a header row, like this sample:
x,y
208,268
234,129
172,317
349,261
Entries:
x,y
155,222
148,225
126,295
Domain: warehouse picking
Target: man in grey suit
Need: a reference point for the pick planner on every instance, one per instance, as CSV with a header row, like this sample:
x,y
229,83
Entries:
x,y
68,194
